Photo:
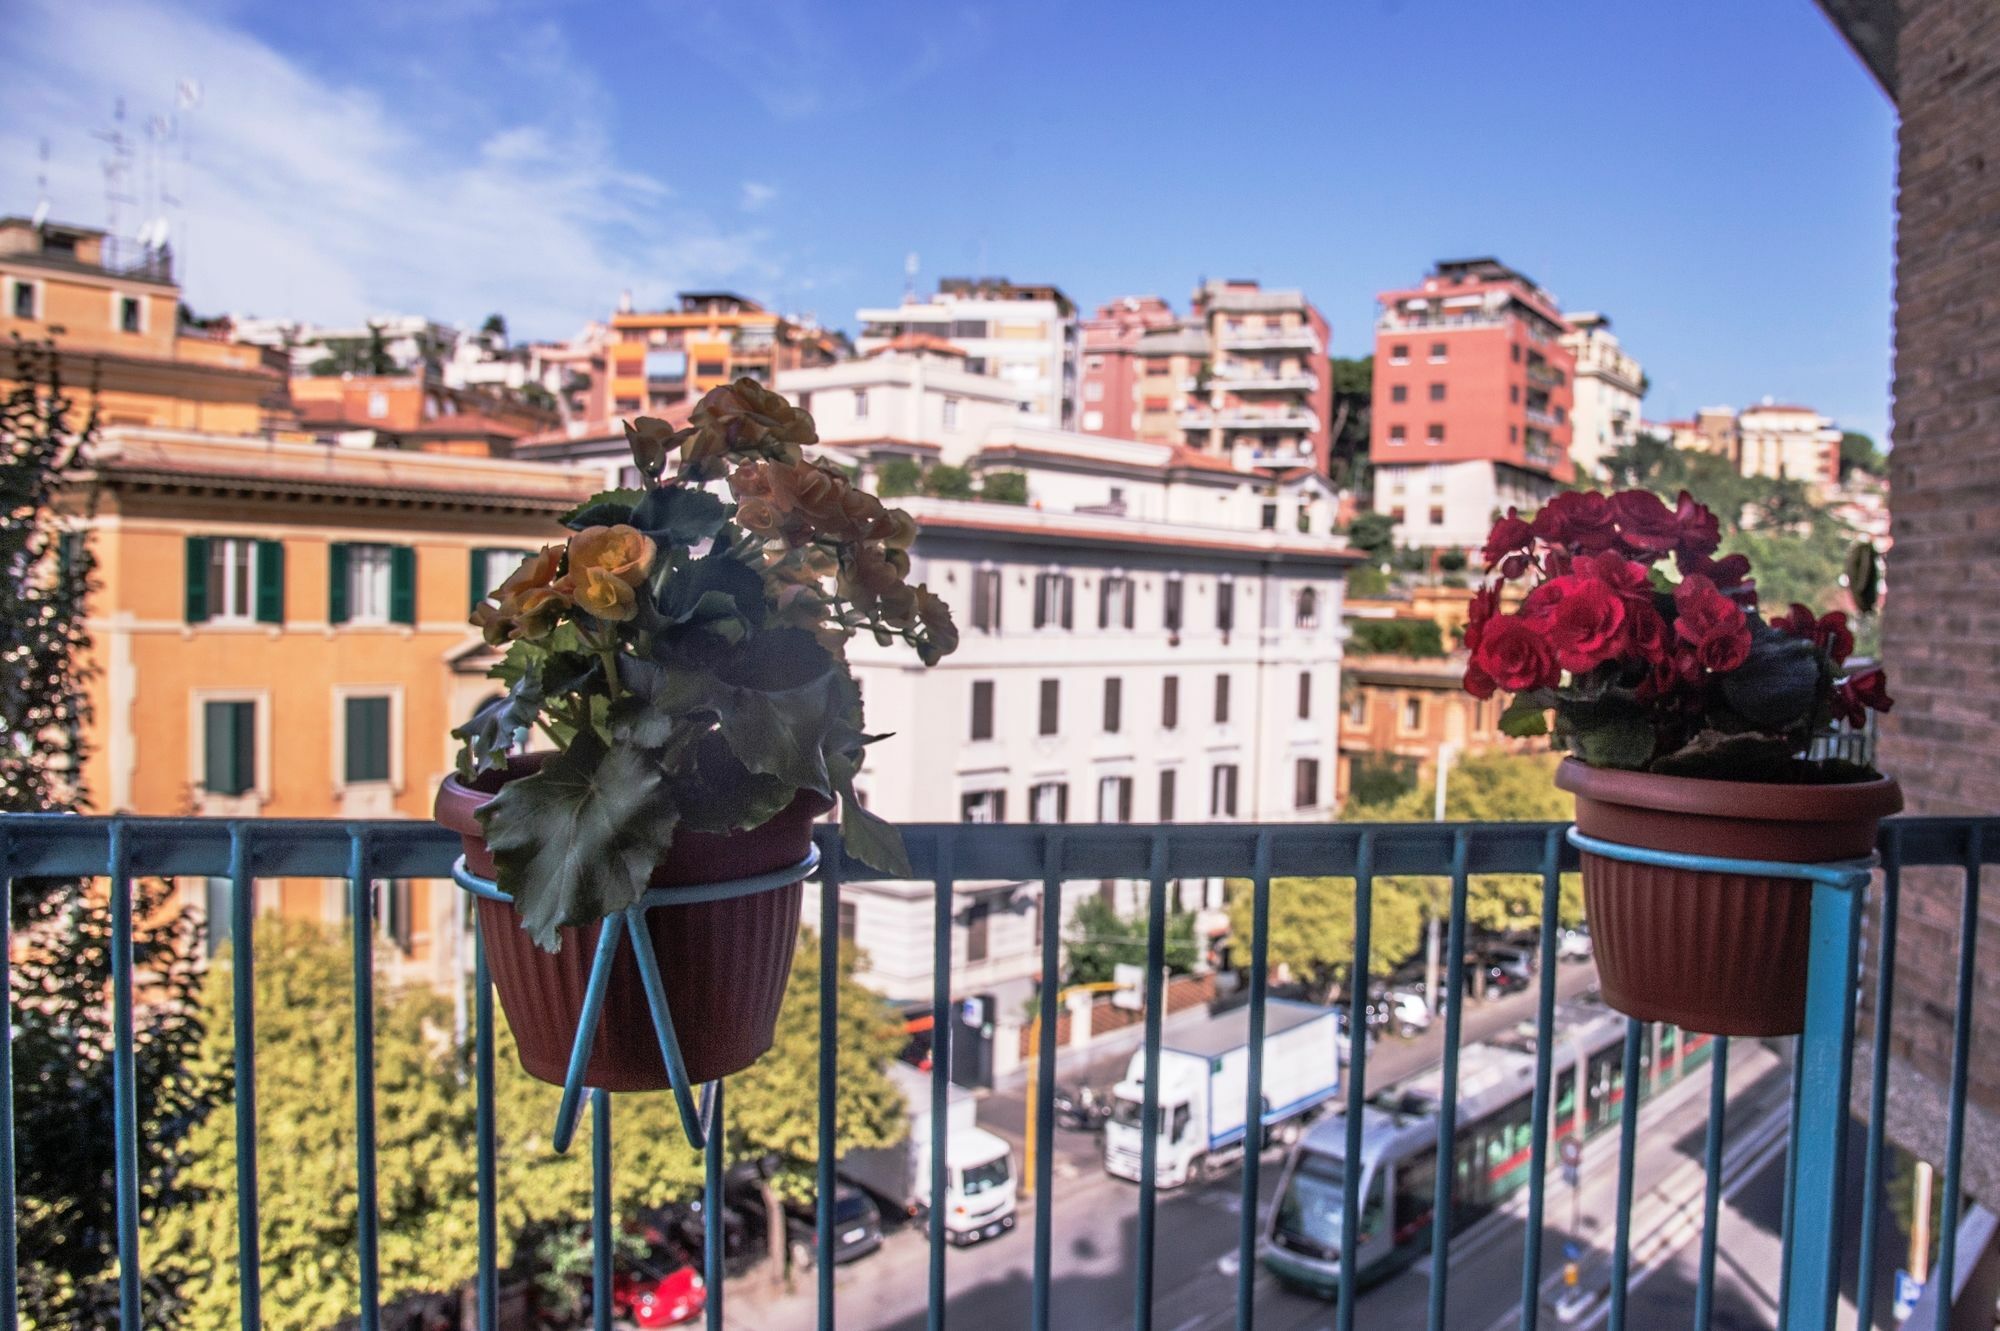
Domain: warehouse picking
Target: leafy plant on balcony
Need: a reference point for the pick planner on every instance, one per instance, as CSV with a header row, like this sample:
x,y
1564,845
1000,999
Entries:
x,y
1645,672
686,653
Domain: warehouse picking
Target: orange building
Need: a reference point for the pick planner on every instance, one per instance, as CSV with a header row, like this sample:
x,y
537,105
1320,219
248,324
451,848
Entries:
x,y
113,312
279,630
659,358
417,412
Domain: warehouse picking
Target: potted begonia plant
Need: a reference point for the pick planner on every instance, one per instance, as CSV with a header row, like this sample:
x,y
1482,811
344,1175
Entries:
x,y
1690,719
683,651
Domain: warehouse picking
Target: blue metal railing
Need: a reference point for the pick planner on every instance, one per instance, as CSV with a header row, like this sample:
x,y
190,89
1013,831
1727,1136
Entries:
x,y
361,852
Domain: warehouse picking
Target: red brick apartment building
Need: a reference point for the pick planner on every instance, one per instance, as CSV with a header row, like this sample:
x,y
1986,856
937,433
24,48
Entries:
x,y
1472,404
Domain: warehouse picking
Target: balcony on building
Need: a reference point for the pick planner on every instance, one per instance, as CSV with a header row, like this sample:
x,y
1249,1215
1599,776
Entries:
x,y
1301,338
1255,379
1266,418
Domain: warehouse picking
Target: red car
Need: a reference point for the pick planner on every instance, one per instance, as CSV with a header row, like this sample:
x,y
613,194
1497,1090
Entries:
x,y
650,1294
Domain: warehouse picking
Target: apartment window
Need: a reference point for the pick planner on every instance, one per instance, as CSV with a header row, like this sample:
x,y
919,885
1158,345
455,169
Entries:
x,y
1437,392
131,315
1513,434
1114,705
1437,353
1357,709
1051,718
986,599
982,709
1270,517
951,413
1559,416
1413,714
968,328
860,404
372,584
491,567
1114,799
1305,783
1048,802
710,369
23,305
1222,791
1225,604
1399,354
983,806
1168,777
1514,393
1434,434
1516,349
1305,695
366,723
1054,600
1170,702
1437,516
1305,613
1115,601
1172,601
229,747
976,918
1396,513
233,579
1399,393
1222,700
846,918
1396,434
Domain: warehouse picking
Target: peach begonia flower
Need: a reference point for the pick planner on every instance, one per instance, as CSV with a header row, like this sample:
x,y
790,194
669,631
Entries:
x,y
626,553
605,594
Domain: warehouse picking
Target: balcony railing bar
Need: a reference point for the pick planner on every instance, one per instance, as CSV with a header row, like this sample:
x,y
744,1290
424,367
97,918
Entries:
x,y
1357,1080
487,1161
1545,1020
829,1071
361,909
1045,1076
364,852
243,990
1461,847
1253,1099
1961,1061
712,1251
943,878
1878,1086
1149,1115
1711,1202
9,1238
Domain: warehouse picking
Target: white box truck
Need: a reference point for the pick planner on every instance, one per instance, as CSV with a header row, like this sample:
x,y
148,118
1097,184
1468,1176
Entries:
x,y
979,1167
1204,1076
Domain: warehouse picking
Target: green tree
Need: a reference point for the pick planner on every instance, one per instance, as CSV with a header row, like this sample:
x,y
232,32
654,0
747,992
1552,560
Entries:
x,y
1373,534
495,327
1311,927
1099,940
1858,453
945,481
376,357
1004,487
898,478
1353,383
1397,637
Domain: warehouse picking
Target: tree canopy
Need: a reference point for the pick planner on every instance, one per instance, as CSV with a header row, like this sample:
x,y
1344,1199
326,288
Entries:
x,y
1098,940
1398,637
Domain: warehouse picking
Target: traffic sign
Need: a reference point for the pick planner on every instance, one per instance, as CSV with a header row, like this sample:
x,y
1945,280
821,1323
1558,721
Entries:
x,y
1571,1151
1908,1291
1572,1176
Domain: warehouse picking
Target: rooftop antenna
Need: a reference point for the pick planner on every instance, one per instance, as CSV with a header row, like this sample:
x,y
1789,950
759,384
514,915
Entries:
x,y
910,278
117,167
42,187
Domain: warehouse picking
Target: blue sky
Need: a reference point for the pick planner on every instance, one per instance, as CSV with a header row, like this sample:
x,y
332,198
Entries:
x,y
1715,174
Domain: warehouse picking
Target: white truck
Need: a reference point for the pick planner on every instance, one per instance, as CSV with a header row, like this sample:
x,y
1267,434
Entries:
x,y
1204,1077
980,1185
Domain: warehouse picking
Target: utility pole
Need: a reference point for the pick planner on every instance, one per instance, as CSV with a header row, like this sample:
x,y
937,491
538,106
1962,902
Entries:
x,y
1027,1185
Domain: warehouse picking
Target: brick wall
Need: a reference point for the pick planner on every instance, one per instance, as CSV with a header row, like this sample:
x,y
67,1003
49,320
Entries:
x,y
1941,622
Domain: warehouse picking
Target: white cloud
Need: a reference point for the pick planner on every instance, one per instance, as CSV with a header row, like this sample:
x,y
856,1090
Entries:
x,y
757,195
309,198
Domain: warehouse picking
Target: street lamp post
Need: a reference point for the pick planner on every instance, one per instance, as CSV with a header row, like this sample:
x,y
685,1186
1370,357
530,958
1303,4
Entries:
x,y
1447,753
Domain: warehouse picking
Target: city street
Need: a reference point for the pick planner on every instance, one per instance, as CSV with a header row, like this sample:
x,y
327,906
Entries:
x,y
1095,1227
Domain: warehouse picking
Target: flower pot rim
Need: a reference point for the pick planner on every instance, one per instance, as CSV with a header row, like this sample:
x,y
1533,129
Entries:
x,y
1752,801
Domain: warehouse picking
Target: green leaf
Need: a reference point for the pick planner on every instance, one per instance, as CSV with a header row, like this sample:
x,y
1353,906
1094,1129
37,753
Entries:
x,y
503,725
1780,683
607,509
1528,714
786,709
1613,737
715,792
580,838
871,840
679,515
688,596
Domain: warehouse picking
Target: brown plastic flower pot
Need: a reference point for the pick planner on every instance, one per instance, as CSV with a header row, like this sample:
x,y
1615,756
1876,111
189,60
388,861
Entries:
x,y
1720,953
725,964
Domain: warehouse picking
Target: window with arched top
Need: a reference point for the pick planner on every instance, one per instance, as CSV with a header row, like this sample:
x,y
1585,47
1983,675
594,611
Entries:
x,y
1306,615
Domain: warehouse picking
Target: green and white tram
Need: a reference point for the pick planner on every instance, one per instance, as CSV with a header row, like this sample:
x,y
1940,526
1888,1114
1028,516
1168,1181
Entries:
x,y
1492,1148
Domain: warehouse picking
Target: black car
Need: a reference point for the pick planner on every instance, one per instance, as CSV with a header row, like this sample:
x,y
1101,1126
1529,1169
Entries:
x,y
682,1229
857,1227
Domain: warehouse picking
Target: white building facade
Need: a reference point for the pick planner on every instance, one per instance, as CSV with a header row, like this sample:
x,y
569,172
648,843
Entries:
x,y
916,393
1023,335
1609,387
1791,442
1451,505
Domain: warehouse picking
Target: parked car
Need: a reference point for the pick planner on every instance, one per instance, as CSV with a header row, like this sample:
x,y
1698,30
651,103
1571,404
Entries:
x,y
1574,945
649,1293
1408,1010
1500,978
680,1229
1522,959
857,1227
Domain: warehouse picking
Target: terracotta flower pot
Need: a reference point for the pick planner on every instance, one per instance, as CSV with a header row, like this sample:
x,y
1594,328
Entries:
x,y
724,963
1724,954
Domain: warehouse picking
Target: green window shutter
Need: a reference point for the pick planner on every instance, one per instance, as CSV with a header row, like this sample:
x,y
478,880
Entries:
x,y
479,560
270,582
197,579
402,584
336,583
367,725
